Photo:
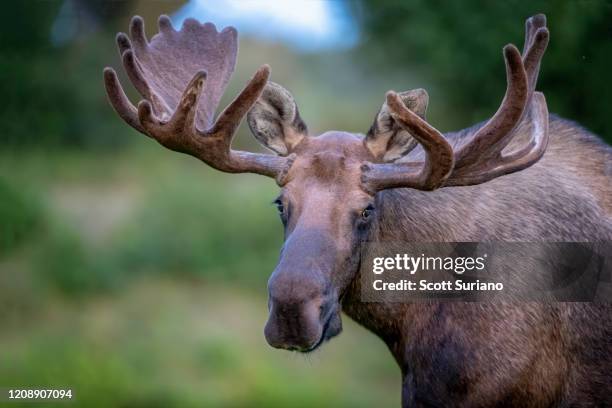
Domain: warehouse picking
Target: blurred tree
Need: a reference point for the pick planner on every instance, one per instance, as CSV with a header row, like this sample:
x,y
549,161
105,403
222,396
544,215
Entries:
x,y
47,74
457,44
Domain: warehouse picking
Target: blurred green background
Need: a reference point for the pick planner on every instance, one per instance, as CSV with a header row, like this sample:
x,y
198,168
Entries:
x,y
137,276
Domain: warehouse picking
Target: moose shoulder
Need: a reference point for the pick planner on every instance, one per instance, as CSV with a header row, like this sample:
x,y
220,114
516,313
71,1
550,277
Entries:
x,y
520,176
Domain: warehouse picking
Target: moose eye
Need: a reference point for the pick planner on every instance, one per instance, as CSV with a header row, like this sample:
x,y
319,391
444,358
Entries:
x,y
367,212
279,205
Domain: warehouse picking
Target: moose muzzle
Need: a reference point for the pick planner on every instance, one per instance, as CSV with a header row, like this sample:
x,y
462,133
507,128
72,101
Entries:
x,y
303,304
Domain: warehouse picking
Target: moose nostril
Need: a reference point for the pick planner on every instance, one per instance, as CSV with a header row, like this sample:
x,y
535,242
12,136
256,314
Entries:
x,y
294,326
272,336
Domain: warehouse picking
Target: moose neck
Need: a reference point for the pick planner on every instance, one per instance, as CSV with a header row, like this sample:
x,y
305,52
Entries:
x,y
406,215
394,323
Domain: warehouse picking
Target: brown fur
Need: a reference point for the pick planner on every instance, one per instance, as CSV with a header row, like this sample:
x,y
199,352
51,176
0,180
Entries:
x,y
459,354
502,354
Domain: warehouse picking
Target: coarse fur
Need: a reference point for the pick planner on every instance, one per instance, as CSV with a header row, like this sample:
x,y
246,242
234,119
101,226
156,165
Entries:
x,y
492,354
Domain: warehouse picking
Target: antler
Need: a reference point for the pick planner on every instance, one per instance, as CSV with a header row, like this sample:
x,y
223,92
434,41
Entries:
x,y
479,159
171,72
423,176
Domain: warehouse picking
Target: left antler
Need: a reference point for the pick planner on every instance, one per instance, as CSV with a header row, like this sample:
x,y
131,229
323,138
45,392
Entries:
x,y
171,72
481,158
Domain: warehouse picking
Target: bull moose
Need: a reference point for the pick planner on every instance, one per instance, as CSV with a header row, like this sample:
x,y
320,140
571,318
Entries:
x,y
519,176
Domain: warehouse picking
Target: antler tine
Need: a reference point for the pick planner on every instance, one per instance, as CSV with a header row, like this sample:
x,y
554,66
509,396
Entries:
x,y
433,171
495,134
532,24
164,24
183,119
517,160
137,32
536,41
229,119
117,97
123,43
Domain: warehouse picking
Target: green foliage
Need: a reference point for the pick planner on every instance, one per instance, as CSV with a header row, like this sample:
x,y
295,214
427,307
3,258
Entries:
x,y
53,93
165,344
59,362
209,229
64,262
20,216
458,46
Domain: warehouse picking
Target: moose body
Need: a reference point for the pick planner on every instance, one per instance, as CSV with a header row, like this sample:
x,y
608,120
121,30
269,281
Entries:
x,y
502,354
405,182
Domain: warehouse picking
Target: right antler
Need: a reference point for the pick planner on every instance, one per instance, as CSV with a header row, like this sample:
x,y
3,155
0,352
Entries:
x,y
480,158
171,72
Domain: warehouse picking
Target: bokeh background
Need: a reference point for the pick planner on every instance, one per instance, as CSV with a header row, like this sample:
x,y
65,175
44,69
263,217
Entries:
x,y
137,276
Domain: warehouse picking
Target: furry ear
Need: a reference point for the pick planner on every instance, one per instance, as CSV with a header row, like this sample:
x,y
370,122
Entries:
x,y
275,120
386,140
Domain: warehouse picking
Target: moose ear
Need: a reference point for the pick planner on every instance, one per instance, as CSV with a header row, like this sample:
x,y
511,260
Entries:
x,y
386,140
275,120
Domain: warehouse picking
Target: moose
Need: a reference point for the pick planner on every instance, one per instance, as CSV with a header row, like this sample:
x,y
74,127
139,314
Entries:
x,y
521,176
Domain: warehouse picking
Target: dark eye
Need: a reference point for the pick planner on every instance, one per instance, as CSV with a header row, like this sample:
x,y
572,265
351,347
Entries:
x,y
367,212
279,205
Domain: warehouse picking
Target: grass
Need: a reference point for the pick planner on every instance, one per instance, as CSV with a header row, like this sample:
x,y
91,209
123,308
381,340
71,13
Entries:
x,y
169,343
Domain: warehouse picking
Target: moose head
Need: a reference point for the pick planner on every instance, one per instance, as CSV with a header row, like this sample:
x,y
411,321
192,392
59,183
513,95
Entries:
x,y
330,182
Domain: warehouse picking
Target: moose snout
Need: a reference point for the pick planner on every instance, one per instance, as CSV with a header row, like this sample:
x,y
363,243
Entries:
x,y
294,326
300,314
